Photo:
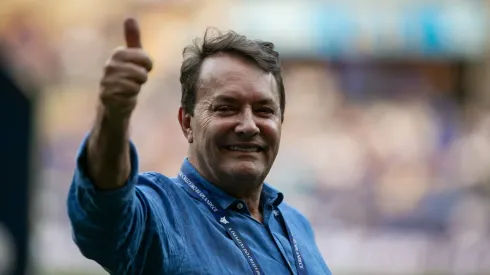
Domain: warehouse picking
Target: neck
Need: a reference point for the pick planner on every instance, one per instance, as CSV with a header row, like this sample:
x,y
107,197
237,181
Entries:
x,y
253,205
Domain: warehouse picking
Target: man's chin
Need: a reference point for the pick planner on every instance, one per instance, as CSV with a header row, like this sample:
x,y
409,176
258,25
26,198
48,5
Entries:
x,y
247,170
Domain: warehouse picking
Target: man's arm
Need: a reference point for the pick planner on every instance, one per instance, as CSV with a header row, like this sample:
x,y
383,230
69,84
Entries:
x,y
108,214
108,162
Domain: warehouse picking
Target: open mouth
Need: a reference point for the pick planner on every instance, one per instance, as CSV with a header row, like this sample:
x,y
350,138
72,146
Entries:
x,y
247,149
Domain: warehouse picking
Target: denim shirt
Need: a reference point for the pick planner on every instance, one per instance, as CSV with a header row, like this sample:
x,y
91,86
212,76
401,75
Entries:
x,y
153,226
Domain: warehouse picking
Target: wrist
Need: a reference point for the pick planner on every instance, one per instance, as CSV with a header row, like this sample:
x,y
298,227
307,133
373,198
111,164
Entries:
x,y
107,118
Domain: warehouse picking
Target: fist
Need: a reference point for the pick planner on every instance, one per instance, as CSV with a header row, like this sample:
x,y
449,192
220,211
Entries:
x,y
124,73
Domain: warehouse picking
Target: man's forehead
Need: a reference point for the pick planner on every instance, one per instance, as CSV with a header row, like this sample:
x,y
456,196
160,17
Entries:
x,y
229,69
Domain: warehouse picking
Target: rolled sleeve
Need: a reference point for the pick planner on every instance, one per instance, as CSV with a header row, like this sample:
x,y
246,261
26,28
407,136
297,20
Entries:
x,y
107,226
105,200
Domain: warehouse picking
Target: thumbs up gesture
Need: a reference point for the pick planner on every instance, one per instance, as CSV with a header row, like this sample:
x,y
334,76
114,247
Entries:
x,y
124,74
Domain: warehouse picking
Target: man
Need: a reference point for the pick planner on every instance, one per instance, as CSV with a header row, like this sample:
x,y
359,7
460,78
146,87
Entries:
x,y
217,216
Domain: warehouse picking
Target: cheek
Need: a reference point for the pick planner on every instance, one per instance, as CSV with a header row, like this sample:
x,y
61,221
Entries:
x,y
271,131
214,130
203,128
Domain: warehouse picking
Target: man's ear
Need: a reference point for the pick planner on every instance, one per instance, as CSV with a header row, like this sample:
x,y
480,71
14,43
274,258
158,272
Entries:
x,y
185,124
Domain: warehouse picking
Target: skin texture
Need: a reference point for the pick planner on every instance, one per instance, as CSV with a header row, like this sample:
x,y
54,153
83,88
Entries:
x,y
237,103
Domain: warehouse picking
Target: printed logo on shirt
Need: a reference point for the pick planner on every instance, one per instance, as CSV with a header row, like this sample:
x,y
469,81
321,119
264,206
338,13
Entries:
x,y
223,220
298,255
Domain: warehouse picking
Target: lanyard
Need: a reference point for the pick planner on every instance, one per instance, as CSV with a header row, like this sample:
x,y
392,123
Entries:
x,y
221,216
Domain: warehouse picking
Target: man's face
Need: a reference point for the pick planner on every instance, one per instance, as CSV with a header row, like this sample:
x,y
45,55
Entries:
x,y
236,127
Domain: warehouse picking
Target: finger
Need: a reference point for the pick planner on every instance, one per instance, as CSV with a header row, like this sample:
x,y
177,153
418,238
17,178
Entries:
x,y
127,70
132,33
133,55
115,86
134,72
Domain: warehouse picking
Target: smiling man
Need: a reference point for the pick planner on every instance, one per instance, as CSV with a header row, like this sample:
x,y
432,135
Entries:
x,y
217,216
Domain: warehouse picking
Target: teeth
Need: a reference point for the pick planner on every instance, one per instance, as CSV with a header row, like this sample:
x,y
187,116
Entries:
x,y
243,149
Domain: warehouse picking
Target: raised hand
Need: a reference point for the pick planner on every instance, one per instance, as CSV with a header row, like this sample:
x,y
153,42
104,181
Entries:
x,y
124,73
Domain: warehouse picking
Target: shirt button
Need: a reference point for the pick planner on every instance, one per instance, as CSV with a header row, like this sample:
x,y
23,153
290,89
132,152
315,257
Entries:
x,y
239,206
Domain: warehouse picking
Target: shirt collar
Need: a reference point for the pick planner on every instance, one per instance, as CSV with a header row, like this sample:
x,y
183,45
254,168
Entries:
x,y
269,194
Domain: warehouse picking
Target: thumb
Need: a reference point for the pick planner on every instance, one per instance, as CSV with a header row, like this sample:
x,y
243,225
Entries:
x,y
132,33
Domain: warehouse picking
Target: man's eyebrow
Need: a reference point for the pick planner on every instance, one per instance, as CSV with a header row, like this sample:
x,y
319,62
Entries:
x,y
227,98
266,101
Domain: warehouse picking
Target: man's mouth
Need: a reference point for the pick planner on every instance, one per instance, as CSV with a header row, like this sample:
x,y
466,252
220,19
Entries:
x,y
244,148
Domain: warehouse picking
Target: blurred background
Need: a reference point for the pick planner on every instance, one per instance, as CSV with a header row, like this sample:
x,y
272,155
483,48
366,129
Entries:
x,y
386,140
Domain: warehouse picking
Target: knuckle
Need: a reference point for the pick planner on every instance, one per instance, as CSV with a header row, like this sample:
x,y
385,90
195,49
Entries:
x,y
129,87
110,66
134,88
105,98
119,53
144,76
105,82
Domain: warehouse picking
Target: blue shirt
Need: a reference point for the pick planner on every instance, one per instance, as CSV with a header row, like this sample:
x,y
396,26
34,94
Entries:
x,y
153,226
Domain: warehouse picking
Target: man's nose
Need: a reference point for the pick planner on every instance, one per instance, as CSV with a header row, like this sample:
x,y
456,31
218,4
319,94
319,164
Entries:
x,y
247,126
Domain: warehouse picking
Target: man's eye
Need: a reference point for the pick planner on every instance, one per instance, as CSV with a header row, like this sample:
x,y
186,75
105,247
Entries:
x,y
265,111
223,108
